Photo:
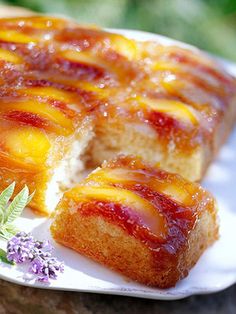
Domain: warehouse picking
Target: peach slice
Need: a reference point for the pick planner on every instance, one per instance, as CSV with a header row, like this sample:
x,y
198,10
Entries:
x,y
58,94
93,60
16,37
192,54
154,220
30,144
166,66
82,57
176,193
175,109
48,92
10,56
124,46
43,22
173,86
42,109
108,176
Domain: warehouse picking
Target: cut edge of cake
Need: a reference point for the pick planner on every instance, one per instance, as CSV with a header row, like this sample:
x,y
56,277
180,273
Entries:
x,y
141,140
70,169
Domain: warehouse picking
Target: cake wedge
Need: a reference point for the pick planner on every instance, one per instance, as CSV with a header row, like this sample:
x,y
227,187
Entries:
x,y
149,225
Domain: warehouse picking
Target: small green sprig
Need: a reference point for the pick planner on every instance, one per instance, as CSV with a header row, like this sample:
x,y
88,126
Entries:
x,y
3,257
21,247
9,213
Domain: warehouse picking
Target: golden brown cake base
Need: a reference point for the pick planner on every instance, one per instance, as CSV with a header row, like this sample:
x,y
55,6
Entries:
x,y
110,246
94,226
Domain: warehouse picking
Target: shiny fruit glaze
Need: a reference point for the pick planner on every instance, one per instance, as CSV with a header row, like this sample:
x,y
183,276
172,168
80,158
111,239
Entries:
x,y
54,72
156,207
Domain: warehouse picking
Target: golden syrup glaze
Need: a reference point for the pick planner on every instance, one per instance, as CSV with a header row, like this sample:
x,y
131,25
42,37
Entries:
x,y
158,208
54,72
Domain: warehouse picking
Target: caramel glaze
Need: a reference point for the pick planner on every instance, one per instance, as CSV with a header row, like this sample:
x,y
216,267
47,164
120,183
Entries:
x,y
57,53
180,216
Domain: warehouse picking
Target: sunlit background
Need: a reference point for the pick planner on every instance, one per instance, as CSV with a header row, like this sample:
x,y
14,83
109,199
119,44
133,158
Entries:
x,y
209,24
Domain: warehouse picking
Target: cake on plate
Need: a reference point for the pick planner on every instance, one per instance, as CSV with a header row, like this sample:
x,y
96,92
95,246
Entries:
x,y
148,224
73,96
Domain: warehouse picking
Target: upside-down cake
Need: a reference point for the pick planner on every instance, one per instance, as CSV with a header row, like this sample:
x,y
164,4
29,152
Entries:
x,y
74,96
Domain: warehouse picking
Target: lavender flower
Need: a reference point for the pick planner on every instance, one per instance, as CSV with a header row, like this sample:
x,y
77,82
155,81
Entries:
x,y
23,248
20,247
46,268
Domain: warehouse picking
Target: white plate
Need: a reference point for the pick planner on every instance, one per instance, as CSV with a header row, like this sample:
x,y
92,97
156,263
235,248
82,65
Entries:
x,y
215,271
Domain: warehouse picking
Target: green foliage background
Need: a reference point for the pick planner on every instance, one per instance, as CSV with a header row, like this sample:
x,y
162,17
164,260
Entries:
x,y
209,24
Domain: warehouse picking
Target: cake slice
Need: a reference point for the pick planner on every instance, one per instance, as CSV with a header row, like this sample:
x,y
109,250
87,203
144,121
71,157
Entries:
x,y
150,225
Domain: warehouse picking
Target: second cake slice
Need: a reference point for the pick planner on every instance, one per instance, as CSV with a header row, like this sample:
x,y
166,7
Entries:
x,y
148,224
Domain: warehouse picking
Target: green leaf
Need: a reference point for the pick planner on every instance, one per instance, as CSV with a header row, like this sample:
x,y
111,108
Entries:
x,y
6,195
16,207
11,229
4,234
8,231
3,257
9,213
1,216
30,198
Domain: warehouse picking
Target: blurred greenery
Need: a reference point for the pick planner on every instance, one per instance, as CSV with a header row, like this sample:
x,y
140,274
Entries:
x,y
208,24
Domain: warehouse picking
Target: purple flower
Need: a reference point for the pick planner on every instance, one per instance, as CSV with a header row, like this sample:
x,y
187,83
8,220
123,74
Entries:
x,y
19,247
46,268
36,266
44,245
23,248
